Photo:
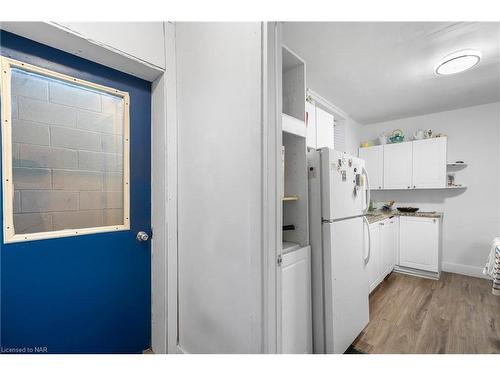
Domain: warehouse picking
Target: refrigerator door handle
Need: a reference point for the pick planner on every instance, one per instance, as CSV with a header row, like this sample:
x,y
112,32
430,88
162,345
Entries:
x,y
367,258
367,192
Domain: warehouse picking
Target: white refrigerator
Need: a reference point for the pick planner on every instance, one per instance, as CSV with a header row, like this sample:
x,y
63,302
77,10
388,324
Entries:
x,y
339,195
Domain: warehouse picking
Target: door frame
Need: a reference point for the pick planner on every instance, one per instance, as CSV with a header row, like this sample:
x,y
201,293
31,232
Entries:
x,y
272,186
164,333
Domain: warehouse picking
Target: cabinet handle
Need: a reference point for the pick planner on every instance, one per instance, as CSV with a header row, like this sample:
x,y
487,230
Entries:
x,y
409,187
414,186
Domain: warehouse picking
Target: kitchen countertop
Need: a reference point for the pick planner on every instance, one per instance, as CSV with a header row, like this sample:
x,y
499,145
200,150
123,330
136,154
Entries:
x,y
379,215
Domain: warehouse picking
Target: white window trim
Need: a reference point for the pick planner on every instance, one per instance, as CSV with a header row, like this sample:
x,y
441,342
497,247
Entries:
x,y
8,188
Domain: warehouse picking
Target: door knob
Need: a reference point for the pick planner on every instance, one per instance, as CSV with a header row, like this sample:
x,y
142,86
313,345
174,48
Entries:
x,y
142,236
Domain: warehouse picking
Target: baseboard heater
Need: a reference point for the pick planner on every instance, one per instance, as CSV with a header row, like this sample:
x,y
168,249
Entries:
x,y
419,273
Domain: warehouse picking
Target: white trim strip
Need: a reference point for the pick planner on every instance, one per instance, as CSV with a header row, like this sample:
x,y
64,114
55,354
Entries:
x,y
322,102
8,188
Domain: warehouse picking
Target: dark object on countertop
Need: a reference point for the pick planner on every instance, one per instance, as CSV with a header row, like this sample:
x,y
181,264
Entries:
x,y
407,209
388,206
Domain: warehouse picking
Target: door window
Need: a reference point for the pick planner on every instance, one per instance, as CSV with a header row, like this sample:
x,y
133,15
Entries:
x,y
65,152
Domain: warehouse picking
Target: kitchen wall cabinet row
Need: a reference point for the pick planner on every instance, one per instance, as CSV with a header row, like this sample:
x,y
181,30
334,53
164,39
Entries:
x,y
409,165
406,244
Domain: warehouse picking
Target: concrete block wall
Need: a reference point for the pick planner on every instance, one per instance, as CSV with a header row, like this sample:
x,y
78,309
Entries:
x,y
67,151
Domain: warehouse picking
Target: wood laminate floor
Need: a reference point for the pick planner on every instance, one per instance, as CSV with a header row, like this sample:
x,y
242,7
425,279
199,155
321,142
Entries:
x,y
457,314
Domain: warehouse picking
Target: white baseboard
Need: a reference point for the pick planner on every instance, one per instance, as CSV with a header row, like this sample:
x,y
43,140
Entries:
x,y
463,269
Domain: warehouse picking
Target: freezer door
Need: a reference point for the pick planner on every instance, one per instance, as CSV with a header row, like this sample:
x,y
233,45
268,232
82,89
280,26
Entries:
x,y
346,283
343,185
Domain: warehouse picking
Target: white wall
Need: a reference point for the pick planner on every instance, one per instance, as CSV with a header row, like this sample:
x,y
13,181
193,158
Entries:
x,y
471,216
352,136
219,187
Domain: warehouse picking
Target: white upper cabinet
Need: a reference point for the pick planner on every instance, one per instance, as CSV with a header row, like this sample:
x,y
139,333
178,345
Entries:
x,y
429,163
374,158
419,243
398,166
324,129
311,124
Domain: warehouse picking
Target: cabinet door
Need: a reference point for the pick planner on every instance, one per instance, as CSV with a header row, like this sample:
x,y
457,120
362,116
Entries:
x,y
324,129
373,266
296,320
374,163
311,125
429,163
419,243
398,166
388,244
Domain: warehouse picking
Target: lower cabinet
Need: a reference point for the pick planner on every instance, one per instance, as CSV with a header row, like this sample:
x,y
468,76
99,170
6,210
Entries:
x,y
420,242
296,309
389,244
383,250
407,244
375,260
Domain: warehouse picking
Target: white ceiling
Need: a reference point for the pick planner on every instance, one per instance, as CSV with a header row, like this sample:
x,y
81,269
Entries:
x,y
381,71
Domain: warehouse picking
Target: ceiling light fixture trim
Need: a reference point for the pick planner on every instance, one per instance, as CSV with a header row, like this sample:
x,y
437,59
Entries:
x,y
458,62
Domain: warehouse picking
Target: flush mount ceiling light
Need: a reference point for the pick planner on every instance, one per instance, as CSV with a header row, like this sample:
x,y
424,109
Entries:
x,y
457,62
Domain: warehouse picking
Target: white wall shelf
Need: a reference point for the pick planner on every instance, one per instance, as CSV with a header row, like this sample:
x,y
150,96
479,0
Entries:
x,y
293,126
290,246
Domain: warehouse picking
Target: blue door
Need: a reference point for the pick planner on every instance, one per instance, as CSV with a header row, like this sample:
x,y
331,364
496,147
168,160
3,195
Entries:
x,y
82,293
